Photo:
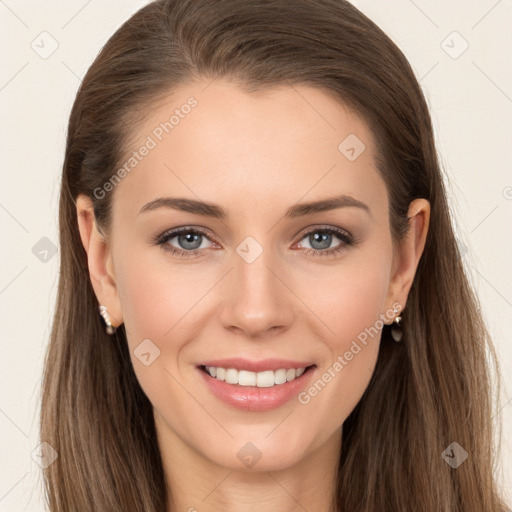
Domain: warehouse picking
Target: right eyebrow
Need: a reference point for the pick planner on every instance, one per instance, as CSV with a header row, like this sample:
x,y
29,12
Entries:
x,y
186,205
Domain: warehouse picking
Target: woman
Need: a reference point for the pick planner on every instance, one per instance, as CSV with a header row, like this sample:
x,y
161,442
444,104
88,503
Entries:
x,y
262,304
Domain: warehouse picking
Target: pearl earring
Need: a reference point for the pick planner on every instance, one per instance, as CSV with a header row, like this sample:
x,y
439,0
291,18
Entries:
x,y
397,332
106,319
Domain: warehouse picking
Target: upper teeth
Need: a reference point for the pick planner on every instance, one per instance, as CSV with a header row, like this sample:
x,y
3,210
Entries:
x,y
264,379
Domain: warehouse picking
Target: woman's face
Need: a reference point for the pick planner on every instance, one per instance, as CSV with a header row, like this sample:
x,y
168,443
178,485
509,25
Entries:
x,y
246,284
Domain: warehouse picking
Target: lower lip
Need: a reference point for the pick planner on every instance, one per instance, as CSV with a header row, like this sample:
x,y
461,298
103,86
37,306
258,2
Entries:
x,y
253,398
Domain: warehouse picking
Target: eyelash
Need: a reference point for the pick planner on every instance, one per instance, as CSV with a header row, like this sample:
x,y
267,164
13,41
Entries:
x,y
344,236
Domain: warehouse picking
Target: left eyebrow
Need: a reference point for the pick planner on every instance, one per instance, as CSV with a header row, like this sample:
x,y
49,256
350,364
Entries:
x,y
342,201
216,211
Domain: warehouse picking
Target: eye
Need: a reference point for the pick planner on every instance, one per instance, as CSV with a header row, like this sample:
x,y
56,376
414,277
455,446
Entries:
x,y
189,241
320,239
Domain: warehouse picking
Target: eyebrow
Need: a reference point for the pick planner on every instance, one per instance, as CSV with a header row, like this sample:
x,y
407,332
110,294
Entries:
x,y
217,212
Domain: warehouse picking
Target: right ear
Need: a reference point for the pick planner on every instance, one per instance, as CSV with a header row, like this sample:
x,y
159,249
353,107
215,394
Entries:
x,y
99,259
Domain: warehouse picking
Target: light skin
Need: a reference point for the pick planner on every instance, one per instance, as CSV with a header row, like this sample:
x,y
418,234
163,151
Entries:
x,y
255,155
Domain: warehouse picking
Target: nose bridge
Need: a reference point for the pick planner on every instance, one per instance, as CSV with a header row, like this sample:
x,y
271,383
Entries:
x,y
257,300
252,262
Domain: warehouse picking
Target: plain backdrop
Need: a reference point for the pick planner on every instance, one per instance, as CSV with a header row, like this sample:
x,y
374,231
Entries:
x,y
460,51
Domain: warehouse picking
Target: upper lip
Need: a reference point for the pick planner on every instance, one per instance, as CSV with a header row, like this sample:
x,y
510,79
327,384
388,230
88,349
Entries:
x,y
239,363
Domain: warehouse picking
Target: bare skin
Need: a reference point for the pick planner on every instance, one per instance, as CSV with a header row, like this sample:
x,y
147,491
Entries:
x,y
255,155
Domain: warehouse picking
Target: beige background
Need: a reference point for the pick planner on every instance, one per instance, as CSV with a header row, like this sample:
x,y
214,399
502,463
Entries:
x,y
470,93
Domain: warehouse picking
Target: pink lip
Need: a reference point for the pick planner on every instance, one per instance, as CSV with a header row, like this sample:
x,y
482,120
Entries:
x,y
253,398
239,363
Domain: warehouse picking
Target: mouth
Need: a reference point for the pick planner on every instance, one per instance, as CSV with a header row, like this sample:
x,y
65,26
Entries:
x,y
256,391
262,379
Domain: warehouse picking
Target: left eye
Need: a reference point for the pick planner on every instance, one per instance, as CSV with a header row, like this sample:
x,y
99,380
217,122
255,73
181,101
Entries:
x,y
321,239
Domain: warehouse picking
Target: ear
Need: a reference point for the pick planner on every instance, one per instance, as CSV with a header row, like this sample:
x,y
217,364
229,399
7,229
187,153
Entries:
x,y
408,253
99,260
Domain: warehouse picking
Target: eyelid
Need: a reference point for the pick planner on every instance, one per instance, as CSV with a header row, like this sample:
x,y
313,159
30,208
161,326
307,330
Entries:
x,y
305,231
182,229
326,227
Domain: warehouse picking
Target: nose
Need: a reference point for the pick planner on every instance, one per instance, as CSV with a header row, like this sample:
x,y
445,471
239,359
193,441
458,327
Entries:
x,y
258,301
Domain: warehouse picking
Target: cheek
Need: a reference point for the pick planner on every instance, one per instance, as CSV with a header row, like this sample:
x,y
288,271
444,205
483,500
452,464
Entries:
x,y
349,297
338,303
351,303
155,298
341,300
153,295
164,303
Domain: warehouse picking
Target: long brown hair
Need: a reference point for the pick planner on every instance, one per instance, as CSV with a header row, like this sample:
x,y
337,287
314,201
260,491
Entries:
x,y
432,390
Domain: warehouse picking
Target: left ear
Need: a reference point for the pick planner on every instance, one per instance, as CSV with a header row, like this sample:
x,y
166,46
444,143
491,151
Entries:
x,y
408,253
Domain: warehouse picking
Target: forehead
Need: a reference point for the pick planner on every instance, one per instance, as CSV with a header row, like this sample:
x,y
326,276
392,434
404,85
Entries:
x,y
249,150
